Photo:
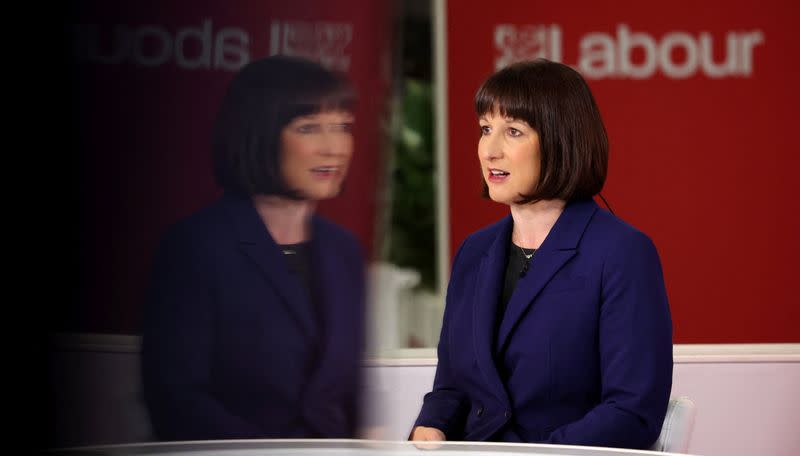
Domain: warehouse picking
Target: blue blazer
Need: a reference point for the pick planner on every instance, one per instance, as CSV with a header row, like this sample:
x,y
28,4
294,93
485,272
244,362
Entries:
x,y
235,347
583,353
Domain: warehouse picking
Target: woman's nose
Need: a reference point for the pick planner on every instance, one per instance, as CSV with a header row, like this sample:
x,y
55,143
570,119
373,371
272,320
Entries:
x,y
490,148
335,144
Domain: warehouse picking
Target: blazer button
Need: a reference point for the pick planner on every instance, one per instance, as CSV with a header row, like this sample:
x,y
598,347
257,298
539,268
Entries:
x,y
507,414
479,413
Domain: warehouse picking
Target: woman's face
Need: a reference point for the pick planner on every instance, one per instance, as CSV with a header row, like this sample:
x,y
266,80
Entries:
x,y
315,153
510,157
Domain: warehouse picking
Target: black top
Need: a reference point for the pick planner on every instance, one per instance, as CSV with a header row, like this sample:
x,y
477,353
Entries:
x,y
516,266
298,258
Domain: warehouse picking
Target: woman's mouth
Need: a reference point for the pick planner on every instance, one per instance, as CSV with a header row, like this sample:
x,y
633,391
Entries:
x,y
325,172
497,175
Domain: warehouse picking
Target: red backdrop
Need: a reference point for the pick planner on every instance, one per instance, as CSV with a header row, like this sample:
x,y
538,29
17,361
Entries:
x,y
148,80
700,102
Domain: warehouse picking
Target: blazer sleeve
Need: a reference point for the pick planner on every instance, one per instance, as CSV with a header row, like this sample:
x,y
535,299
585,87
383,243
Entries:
x,y
445,407
635,342
177,348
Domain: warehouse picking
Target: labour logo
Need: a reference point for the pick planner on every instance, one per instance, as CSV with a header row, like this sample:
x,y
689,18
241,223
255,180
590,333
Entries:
x,y
526,42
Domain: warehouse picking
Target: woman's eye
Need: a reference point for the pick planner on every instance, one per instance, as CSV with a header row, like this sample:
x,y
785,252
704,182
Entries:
x,y
485,130
308,128
514,132
346,127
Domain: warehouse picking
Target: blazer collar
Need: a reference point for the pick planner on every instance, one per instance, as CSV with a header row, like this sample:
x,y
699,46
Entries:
x,y
557,249
565,234
256,242
569,228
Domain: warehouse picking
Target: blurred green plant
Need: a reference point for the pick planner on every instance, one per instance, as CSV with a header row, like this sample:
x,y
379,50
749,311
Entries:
x,y
411,235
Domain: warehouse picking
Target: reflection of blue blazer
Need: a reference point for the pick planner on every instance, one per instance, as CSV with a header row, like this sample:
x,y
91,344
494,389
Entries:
x,y
583,354
235,347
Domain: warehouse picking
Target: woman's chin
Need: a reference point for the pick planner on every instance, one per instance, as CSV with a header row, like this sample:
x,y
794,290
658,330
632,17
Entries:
x,y
324,194
498,197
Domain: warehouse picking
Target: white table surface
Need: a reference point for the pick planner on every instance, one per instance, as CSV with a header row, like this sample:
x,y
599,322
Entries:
x,y
337,447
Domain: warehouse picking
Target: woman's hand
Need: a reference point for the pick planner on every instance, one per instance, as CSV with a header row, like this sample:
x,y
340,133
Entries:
x,y
427,434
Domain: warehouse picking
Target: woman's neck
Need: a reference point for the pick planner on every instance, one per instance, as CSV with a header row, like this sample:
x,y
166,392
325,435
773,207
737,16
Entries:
x,y
533,221
287,220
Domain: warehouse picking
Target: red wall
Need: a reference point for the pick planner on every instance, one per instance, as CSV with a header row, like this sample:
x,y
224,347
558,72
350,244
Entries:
x,y
703,161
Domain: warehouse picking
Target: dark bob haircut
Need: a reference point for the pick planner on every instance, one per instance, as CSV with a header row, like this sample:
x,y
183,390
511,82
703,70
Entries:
x,y
262,99
556,102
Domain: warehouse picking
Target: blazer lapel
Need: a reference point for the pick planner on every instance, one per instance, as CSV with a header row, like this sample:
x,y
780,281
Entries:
x,y
484,318
256,242
557,249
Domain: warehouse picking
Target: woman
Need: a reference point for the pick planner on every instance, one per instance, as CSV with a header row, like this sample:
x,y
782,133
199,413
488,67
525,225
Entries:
x,y
254,322
557,327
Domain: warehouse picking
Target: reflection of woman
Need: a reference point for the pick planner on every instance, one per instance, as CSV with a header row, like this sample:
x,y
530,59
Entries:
x,y
557,327
254,323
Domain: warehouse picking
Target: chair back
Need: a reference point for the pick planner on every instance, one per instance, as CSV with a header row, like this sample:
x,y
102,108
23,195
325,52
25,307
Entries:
x,y
677,428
